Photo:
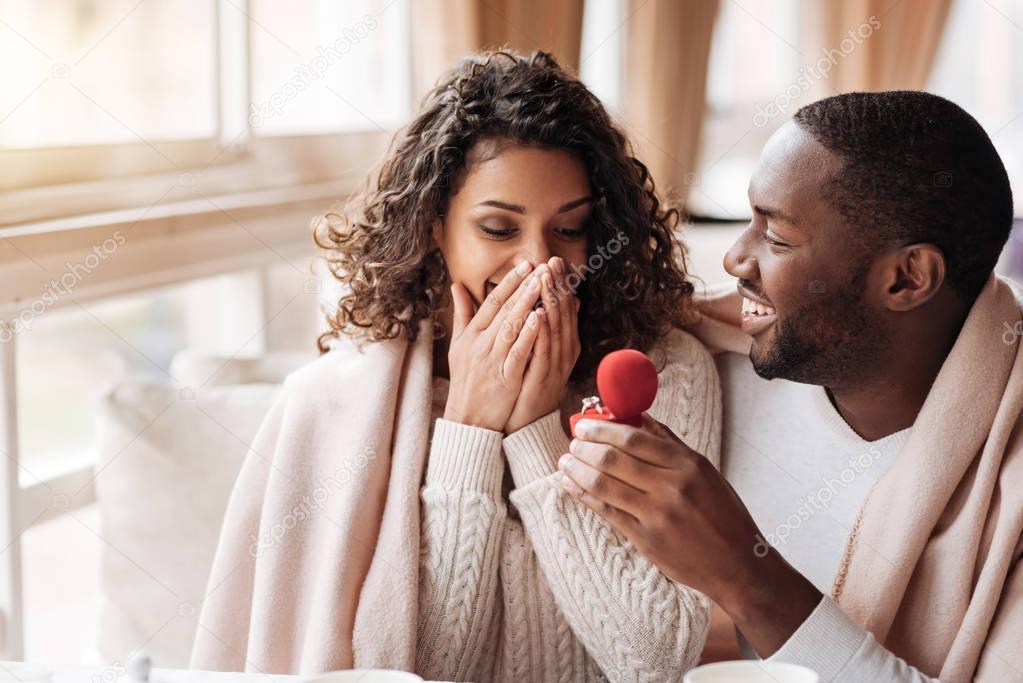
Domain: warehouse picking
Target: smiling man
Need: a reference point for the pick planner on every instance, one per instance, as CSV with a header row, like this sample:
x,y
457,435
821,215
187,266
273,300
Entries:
x,y
869,519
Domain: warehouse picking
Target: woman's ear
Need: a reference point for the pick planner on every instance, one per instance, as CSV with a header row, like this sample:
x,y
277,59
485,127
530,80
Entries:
x,y
438,232
917,272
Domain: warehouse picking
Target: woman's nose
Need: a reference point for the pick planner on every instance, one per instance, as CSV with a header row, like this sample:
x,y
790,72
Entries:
x,y
536,252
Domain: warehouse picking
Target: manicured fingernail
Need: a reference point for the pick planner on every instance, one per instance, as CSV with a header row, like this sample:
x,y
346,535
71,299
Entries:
x,y
548,282
570,485
583,428
523,267
559,266
573,444
563,461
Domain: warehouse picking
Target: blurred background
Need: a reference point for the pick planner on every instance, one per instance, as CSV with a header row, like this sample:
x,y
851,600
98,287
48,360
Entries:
x,y
160,161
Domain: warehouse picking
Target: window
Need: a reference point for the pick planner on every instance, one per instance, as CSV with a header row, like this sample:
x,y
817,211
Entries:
x,y
979,66
68,81
66,359
311,67
59,382
600,53
765,33
93,92
206,131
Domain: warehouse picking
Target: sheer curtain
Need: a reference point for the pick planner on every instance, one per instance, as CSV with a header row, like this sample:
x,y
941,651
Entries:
x,y
445,30
666,48
666,55
878,44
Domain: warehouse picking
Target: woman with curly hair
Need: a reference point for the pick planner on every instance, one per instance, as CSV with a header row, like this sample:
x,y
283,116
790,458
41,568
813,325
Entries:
x,y
508,242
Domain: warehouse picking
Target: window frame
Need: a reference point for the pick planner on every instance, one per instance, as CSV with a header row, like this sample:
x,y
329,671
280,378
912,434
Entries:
x,y
55,182
228,203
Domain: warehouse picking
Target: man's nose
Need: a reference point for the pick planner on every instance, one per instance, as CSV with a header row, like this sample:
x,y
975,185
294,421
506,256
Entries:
x,y
739,260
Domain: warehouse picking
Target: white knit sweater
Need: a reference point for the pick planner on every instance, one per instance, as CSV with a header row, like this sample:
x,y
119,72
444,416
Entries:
x,y
558,595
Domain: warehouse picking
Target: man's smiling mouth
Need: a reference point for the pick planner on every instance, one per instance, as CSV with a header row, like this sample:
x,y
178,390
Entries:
x,y
755,308
757,316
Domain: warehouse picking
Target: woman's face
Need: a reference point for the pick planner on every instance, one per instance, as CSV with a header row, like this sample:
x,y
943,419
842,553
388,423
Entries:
x,y
522,204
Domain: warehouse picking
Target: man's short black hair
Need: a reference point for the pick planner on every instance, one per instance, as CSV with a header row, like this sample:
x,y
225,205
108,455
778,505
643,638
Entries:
x,y
916,168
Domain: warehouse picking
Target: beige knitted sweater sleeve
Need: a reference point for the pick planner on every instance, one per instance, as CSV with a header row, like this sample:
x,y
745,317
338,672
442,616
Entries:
x,y
634,623
461,532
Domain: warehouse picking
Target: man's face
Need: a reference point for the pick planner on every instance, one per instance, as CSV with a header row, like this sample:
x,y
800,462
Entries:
x,y
804,280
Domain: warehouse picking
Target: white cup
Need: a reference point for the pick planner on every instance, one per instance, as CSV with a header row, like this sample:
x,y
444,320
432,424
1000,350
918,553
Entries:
x,y
751,671
25,672
365,676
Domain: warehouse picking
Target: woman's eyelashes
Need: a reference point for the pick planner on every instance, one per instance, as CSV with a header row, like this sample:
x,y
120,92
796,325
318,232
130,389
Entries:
x,y
572,234
497,233
507,233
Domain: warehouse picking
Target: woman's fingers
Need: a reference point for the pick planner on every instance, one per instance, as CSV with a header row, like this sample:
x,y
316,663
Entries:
x,y
570,321
540,361
506,326
602,488
518,355
462,309
553,311
495,301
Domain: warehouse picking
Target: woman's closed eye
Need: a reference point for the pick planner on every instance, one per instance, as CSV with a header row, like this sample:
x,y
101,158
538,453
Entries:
x,y
497,233
571,233
506,233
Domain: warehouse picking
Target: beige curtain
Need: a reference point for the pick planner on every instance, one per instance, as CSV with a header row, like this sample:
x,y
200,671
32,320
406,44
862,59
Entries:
x,y
665,85
878,44
445,30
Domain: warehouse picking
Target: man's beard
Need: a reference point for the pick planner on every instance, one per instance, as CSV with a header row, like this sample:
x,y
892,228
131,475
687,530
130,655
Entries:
x,y
829,341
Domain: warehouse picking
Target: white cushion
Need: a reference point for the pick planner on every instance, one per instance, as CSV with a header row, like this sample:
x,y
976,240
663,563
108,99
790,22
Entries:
x,y
193,369
167,460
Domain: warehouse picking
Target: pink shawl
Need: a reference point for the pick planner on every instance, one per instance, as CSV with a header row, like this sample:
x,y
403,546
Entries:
x,y
317,564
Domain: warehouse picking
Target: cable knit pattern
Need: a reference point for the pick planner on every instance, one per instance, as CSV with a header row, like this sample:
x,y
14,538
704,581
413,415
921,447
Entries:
x,y
559,595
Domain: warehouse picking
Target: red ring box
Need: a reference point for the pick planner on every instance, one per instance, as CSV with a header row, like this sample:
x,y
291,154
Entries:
x,y
627,383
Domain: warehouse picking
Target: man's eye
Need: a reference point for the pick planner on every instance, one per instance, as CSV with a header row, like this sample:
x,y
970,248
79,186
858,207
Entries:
x,y
773,242
497,233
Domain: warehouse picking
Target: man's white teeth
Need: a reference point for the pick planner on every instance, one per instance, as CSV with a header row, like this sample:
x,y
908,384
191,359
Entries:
x,y
756,308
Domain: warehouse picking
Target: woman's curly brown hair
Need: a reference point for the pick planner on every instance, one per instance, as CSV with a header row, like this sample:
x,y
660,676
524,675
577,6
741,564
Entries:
x,y
381,247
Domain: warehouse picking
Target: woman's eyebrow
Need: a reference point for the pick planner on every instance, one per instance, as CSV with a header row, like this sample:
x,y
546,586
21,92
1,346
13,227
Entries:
x,y
503,205
574,203
516,208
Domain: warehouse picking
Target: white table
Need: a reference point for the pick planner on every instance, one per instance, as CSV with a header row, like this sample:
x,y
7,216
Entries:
x,y
20,672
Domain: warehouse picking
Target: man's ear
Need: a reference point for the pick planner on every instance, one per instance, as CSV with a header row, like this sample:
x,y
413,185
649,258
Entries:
x,y
914,273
